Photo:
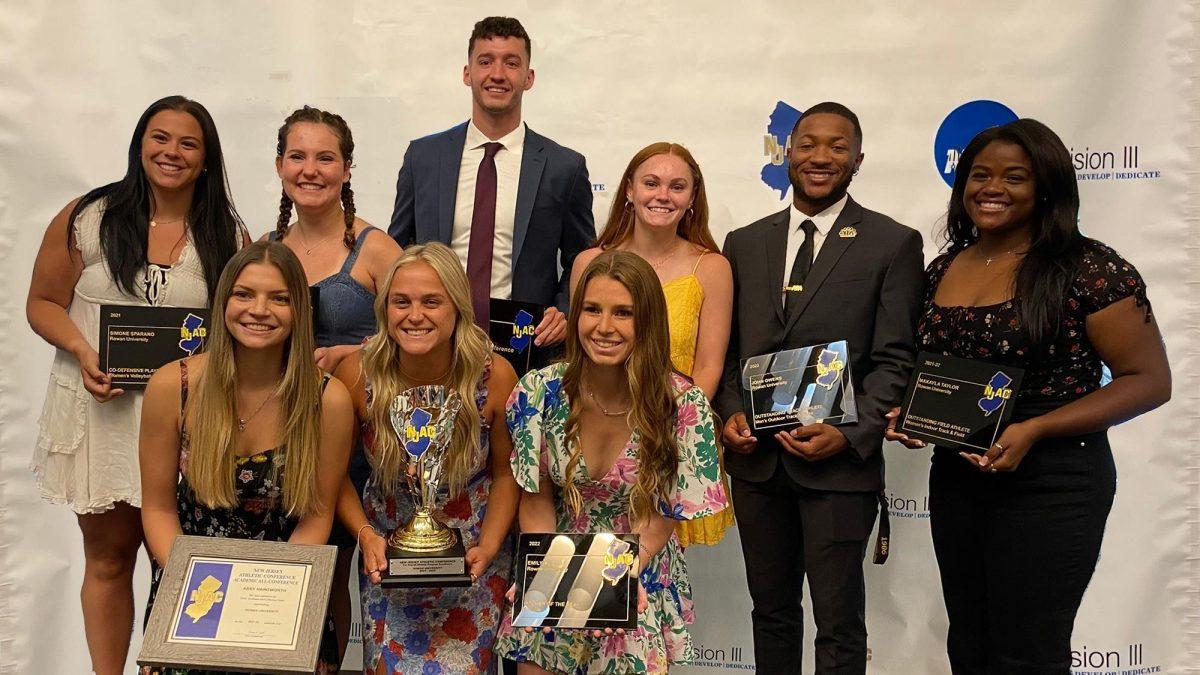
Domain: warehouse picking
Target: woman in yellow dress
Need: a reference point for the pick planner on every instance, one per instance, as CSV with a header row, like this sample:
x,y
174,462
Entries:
x,y
663,218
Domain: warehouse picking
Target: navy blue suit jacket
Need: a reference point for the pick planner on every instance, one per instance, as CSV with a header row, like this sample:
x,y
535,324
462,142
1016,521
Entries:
x,y
554,208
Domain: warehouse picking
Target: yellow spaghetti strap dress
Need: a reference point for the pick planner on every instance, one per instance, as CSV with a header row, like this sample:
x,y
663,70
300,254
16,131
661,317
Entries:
x,y
685,297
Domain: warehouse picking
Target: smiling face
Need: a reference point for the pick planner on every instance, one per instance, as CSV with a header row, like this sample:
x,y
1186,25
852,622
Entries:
x,y
606,323
498,73
824,156
661,190
312,168
420,315
258,313
1000,191
173,150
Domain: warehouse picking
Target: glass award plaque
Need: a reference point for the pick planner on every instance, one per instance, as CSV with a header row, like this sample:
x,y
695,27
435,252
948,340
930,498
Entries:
x,y
799,386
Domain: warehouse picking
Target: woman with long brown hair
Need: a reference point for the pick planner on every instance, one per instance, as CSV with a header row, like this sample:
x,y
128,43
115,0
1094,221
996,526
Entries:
x,y
247,440
661,215
345,260
157,237
427,336
613,440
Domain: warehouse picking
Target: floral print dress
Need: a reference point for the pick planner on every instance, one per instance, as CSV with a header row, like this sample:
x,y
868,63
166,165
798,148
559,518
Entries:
x,y
1069,367
537,415
259,514
432,631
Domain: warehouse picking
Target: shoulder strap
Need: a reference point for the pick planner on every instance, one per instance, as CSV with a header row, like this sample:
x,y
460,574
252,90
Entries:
x,y
183,388
697,265
362,236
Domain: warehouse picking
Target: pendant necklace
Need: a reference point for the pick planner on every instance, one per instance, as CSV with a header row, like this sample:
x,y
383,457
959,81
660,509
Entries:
x,y
242,422
304,242
156,223
987,259
603,410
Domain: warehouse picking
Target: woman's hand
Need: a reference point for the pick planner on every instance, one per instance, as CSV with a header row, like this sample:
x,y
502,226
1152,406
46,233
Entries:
x,y
1007,452
96,381
328,358
891,434
478,559
373,552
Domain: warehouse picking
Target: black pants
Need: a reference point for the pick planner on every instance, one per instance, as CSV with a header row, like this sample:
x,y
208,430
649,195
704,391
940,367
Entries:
x,y
788,531
1016,552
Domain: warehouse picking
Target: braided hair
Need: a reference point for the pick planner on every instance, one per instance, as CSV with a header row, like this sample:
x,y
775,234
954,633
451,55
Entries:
x,y
345,145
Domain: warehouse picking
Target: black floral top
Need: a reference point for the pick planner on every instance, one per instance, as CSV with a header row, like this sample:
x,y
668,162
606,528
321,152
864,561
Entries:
x,y
259,514
1067,369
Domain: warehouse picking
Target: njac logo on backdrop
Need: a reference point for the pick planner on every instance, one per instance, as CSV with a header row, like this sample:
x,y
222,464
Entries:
x,y
1109,162
776,143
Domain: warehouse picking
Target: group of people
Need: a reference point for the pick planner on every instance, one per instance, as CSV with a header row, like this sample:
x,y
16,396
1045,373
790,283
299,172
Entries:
x,y
280,429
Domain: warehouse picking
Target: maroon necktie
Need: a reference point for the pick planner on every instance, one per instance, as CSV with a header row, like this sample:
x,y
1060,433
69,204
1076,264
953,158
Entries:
x,y
483,234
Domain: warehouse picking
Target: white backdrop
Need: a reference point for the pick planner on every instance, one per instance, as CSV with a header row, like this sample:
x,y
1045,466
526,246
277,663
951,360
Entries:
x,y
1107,76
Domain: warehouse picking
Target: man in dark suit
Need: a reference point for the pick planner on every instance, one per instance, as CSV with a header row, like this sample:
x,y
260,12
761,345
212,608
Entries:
x,y
514,205
824,269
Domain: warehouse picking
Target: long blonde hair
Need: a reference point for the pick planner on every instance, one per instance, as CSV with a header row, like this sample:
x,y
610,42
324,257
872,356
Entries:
x,y
653,395
382,360
694,224
212,457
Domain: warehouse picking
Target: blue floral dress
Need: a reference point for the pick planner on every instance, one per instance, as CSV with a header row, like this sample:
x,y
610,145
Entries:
x,y
435,630
537,415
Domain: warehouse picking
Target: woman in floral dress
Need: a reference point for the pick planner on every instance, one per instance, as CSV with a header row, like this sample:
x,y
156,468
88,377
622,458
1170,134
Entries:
x,y
612,440
208,418
427,336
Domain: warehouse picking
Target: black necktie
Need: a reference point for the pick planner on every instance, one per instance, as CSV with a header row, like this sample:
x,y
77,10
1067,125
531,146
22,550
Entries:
x,y
800,268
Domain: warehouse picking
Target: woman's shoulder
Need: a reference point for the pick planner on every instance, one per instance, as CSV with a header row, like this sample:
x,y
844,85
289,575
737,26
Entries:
x,y
712,266
539,376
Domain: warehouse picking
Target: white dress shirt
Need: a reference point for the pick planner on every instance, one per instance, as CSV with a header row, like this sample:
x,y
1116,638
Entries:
x,y
508,175
824,222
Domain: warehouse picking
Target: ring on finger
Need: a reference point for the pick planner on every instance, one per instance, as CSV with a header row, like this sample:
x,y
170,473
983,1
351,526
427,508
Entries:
x,y
998,445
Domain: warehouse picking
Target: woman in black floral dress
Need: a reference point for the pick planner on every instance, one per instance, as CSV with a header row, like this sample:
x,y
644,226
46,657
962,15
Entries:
x,y
1017,530
207,419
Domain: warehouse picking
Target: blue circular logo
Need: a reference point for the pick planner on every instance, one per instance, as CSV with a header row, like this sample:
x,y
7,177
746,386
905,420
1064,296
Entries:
x,y
959,127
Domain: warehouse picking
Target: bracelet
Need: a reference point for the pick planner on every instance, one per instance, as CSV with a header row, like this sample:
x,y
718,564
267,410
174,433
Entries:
x,y
358,535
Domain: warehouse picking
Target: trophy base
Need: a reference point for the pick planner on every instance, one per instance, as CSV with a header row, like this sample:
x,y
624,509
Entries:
x,y
427,569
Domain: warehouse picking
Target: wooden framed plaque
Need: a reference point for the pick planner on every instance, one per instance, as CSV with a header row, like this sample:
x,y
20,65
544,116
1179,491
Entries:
x,y
240,605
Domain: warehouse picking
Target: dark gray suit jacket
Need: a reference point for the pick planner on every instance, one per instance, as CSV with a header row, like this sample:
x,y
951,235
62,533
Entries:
x,y
554,208
867,289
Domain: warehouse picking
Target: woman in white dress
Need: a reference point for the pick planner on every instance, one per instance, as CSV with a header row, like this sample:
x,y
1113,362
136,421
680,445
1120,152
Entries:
x,y
158,237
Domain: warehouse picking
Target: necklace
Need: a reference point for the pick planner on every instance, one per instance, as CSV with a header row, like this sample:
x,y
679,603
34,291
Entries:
x,y
658,263
156,223
243,421
603,410
439,378
987,259
308,249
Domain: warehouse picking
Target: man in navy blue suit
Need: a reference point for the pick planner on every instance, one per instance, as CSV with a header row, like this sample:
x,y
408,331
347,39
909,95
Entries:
x,y
514,205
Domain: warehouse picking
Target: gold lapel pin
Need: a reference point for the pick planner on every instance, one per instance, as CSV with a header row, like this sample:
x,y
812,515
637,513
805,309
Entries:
x,y
797,288
847,232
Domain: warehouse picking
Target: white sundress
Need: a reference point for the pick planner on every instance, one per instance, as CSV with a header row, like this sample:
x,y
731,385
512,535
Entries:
x,y
87,452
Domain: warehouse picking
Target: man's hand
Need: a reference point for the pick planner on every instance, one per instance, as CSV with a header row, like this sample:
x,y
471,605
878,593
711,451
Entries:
x,y
736,435
813,442
552,330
